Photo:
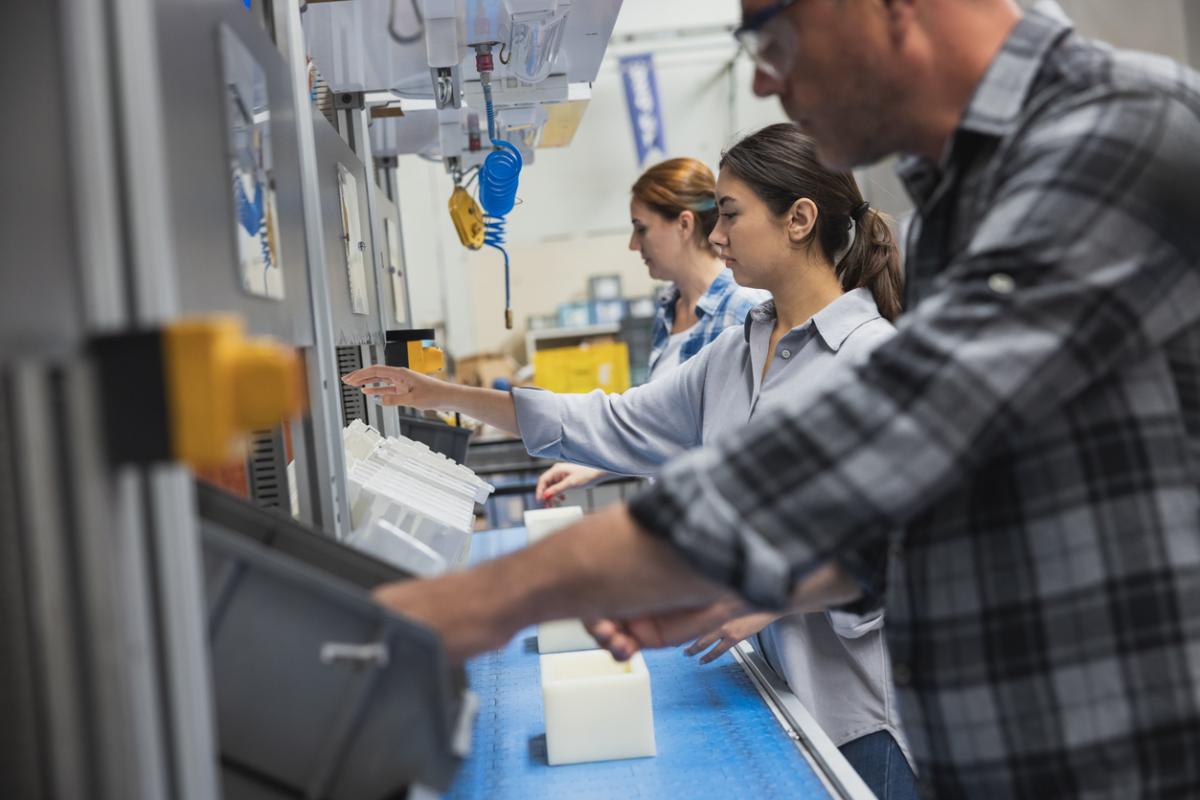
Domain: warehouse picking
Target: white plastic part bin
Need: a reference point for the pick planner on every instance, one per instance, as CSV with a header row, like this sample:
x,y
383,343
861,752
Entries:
x,y
406,485
597,708
398,548
562,635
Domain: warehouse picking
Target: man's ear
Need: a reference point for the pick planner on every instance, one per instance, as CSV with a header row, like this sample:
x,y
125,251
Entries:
x,y
901,17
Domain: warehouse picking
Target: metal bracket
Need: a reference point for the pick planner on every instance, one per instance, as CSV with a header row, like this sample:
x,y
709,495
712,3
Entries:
x,y
446,91
349,101
464,727
359,656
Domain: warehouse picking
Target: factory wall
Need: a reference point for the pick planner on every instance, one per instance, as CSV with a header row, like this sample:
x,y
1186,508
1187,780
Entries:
x,y
574,221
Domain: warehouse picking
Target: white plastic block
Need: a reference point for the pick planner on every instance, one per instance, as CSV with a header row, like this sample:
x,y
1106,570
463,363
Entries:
x,y
597,708
564,636
545,521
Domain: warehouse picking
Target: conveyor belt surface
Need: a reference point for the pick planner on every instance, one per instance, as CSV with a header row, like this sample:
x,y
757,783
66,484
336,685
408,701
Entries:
x,y
716,737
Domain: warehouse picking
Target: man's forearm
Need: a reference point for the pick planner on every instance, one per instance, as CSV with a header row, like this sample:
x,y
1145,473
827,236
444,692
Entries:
x,y
603,566
616,568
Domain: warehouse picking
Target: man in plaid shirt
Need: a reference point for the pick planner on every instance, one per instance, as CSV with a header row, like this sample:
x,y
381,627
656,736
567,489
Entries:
x,y
1026,449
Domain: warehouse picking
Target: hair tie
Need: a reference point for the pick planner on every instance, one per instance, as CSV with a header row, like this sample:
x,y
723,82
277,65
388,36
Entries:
x,y
859,211
707,205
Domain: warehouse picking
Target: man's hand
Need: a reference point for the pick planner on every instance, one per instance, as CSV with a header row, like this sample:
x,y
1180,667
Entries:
x,y
561,477
397,386
623,639
728,635
602,565
826,586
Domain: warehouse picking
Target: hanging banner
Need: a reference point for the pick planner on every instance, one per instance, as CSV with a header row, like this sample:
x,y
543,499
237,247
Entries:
x,y
645,110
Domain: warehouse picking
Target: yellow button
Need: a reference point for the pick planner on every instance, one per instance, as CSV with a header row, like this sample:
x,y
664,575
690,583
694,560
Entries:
x,y
221,385
426,360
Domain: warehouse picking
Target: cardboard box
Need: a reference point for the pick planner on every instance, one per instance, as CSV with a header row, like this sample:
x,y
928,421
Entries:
x,y
485,368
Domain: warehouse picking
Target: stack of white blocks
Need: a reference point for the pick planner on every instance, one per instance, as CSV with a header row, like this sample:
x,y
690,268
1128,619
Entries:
x,y
597,708
402,484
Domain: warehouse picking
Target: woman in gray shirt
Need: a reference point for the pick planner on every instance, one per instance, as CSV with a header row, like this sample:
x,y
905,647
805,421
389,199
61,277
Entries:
x,y
803,233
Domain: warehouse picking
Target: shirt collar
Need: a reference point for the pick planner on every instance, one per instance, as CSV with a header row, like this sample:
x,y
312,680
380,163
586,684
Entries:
x,y
835,322
996,105
708,304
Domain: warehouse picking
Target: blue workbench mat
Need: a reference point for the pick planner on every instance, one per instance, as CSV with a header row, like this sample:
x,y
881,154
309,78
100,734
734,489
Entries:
x,y
715,736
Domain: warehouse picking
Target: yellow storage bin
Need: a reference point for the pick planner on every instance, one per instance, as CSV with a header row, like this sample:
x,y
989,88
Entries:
x,y
572,370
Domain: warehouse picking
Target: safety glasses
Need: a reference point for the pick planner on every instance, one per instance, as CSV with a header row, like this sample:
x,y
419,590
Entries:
x,y
769,41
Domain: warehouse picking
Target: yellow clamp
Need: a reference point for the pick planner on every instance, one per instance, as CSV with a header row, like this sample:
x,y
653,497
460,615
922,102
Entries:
x,y
221,385
468,218
426,360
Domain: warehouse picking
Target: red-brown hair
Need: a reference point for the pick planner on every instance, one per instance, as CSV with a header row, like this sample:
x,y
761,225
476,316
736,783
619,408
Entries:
x,y
678,185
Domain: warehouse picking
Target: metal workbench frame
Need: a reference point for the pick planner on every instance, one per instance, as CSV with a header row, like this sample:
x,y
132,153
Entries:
x,y
839,777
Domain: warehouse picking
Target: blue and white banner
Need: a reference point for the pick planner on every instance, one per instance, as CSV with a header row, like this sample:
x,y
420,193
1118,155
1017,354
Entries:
x,y
645,110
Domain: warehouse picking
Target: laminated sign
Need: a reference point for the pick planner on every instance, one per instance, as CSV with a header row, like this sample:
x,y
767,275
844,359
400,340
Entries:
x,y
645,110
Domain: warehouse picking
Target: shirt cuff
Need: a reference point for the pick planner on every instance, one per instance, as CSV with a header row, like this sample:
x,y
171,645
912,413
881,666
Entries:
x,y
868,567
539,421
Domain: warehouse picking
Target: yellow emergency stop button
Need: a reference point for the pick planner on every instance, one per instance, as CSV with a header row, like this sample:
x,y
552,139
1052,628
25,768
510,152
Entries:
x,y
425,359
221,385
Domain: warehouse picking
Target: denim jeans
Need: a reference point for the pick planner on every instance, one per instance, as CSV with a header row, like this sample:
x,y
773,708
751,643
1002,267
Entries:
x,y
881,764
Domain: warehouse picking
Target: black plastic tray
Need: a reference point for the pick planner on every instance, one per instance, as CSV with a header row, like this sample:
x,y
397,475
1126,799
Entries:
x,y
290,723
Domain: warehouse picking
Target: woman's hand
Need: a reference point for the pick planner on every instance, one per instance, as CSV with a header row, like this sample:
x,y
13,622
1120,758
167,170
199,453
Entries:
x,y
397,386
728,635
561,477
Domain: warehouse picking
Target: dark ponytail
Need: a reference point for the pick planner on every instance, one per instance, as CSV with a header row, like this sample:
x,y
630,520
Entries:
x,y
873,261
780,165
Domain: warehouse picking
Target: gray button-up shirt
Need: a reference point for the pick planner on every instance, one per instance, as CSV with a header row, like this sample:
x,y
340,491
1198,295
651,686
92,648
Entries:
x,y
837,664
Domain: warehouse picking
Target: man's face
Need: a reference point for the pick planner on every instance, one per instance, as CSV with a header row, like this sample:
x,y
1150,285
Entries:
x,y
839,77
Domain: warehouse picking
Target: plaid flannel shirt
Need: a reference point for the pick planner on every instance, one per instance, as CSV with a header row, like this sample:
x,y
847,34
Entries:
x,y
724,304
1033,430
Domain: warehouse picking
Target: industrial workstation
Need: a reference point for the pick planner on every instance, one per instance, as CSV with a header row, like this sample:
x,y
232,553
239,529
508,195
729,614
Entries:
x,y
600,398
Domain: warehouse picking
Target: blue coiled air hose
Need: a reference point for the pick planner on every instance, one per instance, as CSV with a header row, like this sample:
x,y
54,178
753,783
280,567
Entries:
x,y
498,179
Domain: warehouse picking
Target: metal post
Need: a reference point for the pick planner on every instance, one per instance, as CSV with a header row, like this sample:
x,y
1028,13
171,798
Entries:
x,y
389,172
172,540
322,474
120,657
360,118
